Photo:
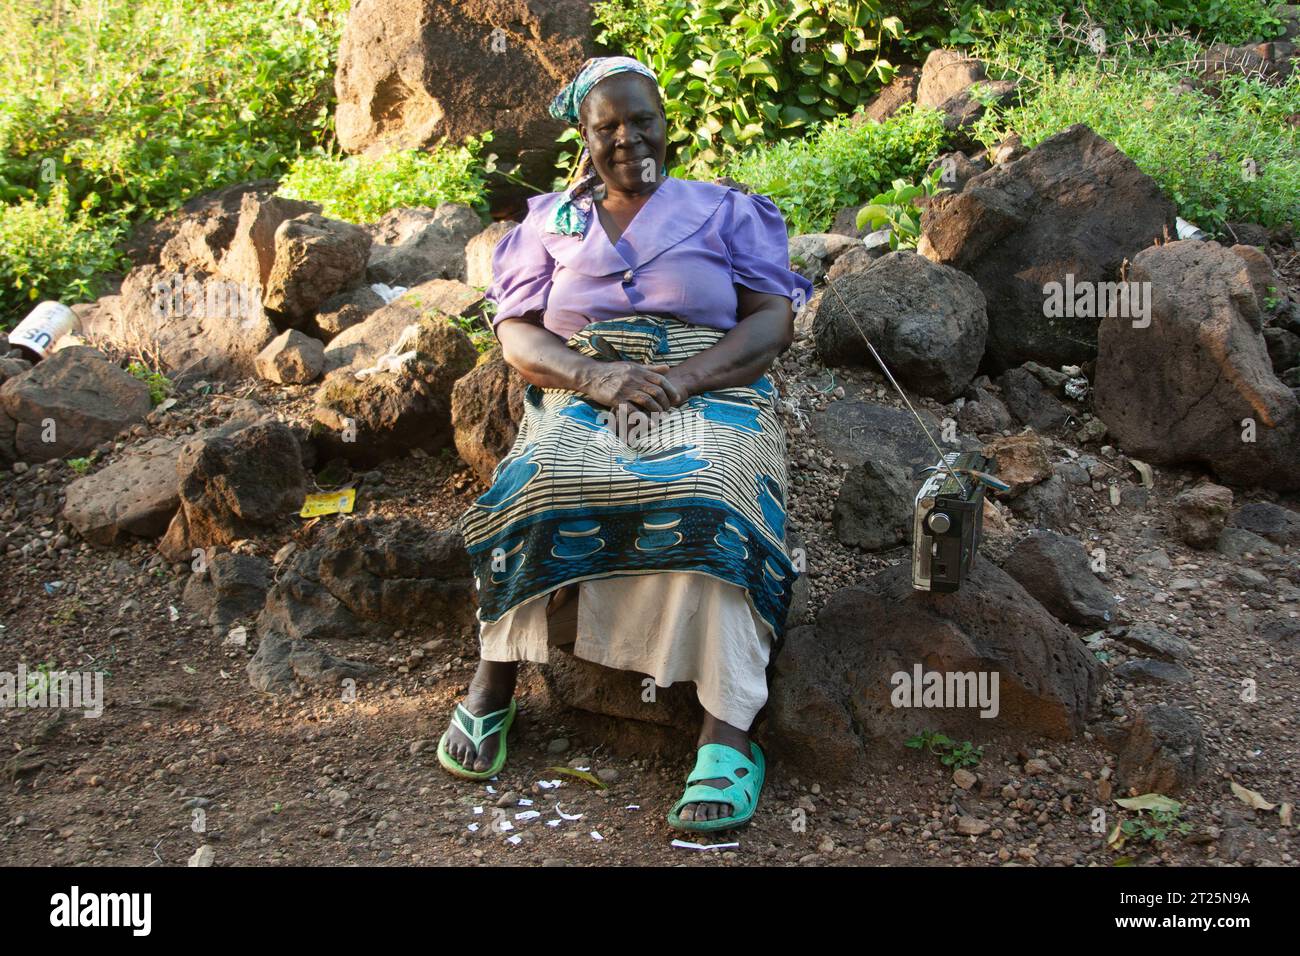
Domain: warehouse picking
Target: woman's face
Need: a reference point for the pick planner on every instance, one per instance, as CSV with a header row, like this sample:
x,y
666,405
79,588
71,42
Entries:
x,y
623,124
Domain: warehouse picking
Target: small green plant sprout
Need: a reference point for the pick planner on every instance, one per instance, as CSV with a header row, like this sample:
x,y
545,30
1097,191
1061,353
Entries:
x,y
951,753
1272,300
39,677
79,465
159,385
897,209
1157,818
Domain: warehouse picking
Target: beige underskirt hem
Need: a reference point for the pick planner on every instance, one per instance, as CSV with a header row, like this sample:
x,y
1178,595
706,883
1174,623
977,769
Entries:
x,y
671,625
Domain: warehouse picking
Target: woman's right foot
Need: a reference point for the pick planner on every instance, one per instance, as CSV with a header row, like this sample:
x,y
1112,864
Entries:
x,y
490,690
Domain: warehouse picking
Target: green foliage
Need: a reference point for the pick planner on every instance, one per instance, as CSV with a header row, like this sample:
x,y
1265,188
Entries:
x,y
841,164
739,72
147,103
1226,156
79,465
159,385
898,209
1158,817
1227,21
950,752
47,252
1155,826
359,190
113,111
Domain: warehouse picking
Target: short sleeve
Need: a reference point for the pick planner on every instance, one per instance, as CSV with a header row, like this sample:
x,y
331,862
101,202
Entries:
x,y
521,273
760,249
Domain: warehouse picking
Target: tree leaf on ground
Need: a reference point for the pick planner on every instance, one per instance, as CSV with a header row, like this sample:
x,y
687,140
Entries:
x,y
1251,798
580,774
1150,801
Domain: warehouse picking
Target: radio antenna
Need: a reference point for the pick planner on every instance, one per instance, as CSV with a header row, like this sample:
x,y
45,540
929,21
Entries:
x,y
942,460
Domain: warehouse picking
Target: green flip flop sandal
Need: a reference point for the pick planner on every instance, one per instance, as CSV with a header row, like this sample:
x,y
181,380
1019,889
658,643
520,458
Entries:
x,y
719,760
478,729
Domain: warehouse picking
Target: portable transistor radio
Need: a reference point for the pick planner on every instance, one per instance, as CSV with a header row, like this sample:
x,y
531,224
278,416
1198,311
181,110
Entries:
x,y
948,511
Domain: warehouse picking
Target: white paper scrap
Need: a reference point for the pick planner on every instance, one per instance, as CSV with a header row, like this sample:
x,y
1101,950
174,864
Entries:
x,y
525,803
473,828
553,823
514,839
686,845
478,811
595,835
567,816
527,815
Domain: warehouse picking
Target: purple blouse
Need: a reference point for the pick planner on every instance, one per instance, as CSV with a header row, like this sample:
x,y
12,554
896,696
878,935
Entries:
x,y
683,254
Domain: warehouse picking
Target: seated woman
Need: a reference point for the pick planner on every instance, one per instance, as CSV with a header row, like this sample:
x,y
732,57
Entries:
x,y
669,299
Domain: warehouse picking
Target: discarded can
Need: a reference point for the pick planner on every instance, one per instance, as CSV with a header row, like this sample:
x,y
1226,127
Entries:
x,y
1189,230
37,334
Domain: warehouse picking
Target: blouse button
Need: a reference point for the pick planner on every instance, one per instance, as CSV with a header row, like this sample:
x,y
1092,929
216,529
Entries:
x,y
627,276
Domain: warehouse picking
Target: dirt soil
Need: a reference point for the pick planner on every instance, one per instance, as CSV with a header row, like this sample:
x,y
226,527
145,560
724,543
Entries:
x,y
187,754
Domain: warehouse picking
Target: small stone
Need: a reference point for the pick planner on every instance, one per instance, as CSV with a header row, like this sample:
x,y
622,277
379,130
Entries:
x,y
964,778
558,746
203,856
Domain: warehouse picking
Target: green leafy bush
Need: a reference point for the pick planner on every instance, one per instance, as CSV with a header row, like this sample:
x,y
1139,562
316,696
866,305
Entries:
x,y
1226,21
48,252
842,163
357,189
897,208
737,72
131,107
1232,156
148,103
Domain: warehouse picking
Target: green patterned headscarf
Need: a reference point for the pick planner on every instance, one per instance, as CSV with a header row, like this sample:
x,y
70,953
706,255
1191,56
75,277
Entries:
x,y
573,211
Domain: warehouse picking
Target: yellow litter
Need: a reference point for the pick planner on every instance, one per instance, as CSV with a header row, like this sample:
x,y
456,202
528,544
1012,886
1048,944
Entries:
x,y
328,503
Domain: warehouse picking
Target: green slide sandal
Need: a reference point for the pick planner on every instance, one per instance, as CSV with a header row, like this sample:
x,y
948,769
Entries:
x,y
719,760
478,729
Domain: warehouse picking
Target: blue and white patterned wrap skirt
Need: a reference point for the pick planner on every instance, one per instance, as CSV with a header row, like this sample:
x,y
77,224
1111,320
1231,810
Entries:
x,y
703,490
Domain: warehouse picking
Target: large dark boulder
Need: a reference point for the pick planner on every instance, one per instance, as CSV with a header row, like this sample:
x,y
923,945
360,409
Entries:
x,y
834,691
67,404
1073,206
367,577
926,320
1196,384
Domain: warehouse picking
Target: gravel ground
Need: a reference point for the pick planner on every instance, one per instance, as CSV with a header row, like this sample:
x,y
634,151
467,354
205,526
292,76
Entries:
x,y
187,755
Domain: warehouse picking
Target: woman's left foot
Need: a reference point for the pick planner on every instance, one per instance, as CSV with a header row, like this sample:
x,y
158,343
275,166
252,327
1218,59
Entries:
x,y
714,731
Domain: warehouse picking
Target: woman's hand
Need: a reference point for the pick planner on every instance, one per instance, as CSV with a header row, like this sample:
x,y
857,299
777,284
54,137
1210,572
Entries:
x,y
648,387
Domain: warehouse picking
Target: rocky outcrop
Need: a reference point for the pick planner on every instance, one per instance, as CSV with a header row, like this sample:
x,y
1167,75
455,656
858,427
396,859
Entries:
x,y
314,258
291,358
232,587
410,73
200,325
232,486
367,577
874,507
842,687
405,405
927,321
1055,570
1073,206
431,245
479,251
1165,752
360,346
1196,384
137,495
67,404
486,407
